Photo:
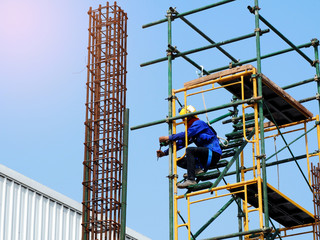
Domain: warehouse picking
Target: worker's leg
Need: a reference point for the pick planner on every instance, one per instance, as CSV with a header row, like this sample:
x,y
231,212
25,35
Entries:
x,y
191,154
182,163
214,160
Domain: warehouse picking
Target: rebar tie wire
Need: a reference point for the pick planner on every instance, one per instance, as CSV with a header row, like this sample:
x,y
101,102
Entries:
x,y
273,120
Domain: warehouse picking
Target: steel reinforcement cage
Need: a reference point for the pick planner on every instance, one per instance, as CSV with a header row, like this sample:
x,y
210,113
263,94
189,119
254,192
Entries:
x,y
105,123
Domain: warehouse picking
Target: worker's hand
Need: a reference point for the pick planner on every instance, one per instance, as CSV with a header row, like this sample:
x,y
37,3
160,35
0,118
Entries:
x,y
160,153
163,139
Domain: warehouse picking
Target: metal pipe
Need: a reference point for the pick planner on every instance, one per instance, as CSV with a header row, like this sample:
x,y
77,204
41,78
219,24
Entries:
x,y
171,227
309,99
175,50
284,140
280,150
238,178
274,163
169,119
259,230
262,57
315,44
261,116
205,36
124,175
203,48
213,218
221,117
298,83
248,116
188,13
285,39
225,170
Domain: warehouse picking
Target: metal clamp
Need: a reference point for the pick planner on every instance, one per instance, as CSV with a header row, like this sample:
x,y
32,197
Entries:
x,y
314,63
252,9
243,168
261,156
257,30
171,51
173,10
317,96
171,97
314,42
255,99
171,13
172,176
167,120
256,75
316,78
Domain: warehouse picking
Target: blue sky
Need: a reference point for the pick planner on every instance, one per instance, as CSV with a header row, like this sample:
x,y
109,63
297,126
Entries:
x,y
43,74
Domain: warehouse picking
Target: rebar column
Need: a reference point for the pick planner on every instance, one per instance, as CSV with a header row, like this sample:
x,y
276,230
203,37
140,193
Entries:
x,y
315,170
105,107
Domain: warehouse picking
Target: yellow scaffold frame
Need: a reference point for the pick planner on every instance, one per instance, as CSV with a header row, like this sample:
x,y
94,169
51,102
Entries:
x,y
256,168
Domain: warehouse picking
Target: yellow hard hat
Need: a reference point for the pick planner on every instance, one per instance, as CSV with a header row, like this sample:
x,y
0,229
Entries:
x,y
189,109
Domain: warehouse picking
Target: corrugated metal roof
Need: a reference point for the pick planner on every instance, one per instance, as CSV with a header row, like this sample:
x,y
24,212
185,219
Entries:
x,y
32,211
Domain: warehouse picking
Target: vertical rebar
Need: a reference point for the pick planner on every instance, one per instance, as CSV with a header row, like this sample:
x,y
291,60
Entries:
x,y
171,227
315,170
104,139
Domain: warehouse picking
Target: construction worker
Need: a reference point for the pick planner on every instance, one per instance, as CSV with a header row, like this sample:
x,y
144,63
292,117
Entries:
x,y
197,159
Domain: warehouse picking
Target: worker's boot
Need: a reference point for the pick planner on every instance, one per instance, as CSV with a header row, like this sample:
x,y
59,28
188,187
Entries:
x,y
197,171
186,183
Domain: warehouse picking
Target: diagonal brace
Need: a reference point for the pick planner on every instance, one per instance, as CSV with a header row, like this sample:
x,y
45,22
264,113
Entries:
x,y
236,155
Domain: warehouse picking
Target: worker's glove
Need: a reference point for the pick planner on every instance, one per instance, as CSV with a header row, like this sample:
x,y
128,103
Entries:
x,y
160,153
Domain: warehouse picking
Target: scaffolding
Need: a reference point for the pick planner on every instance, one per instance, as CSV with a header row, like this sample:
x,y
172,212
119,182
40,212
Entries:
x,y
106,126
267,112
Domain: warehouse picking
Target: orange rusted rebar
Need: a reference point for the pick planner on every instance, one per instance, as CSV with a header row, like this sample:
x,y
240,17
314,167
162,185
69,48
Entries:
x,y
315,170
105,105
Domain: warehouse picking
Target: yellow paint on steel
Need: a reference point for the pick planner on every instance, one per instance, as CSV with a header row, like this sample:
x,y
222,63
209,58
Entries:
x,y
213,88
253,159
318,135
278,134
245,209
289,200
189,219
307,152
256,168
260,206
289,124
224,187
175,191
216,196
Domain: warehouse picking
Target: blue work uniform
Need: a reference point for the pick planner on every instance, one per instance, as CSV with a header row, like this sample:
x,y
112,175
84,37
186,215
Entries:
x,y
200,134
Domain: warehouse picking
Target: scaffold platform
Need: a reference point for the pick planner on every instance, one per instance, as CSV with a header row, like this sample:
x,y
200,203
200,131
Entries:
x,y
284,108
281,208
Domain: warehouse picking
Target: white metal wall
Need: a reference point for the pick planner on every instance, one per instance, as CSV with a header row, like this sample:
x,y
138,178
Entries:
x,y
27,213
32,211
